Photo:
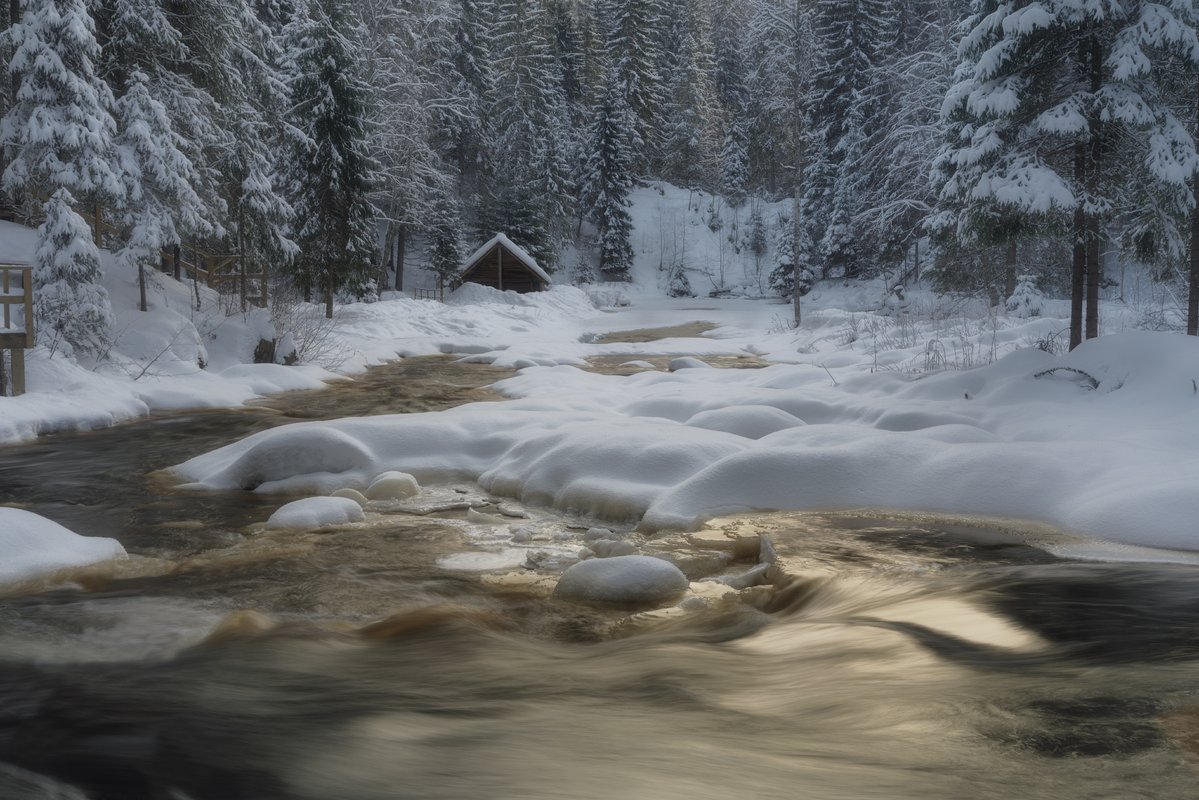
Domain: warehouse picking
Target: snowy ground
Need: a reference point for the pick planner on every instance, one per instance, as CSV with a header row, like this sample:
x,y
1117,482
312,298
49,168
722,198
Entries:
x,y
931,403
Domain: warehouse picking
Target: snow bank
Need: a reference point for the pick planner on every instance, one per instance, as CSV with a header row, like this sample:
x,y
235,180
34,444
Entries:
x,y
31,545
1025,437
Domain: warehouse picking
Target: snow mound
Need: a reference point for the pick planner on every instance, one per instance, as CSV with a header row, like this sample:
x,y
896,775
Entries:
x,y
751,422
622,580
316,512
31,545
307,450
393,486
687,362
1114,455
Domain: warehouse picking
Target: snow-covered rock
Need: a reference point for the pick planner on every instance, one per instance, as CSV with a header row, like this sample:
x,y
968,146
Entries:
x,y
393,485
31,545
610,548
351,494
316,512
622,580
687,362
308,449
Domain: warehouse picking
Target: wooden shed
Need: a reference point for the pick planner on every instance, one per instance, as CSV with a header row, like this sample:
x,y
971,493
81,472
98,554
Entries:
x,y
504,265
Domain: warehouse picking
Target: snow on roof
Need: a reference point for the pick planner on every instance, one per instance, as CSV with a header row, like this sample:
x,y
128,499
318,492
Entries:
x,y
513,248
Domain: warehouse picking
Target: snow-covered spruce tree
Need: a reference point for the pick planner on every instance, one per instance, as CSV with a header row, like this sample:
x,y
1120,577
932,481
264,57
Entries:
x,y
783,274
399,56
846,105
609,179
783,41
632,34
159,178
332,171
1027,300
462,57
1054,108
915,74
445,232
734,158
690,138
59,140
72,308
213,66
259,219
528,188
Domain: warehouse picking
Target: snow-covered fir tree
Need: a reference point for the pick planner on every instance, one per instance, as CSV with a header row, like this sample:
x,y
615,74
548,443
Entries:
x,y
1058,121
160,200
58,136
846,104
59,131
462,56
632,33
333,173
73,310
528,186
609,178
445,240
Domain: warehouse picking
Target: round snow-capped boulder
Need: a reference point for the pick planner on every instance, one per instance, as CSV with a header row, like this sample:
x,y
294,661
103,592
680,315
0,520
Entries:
x,y
316,512
750,421
31,545
393,486
610,548
622,580
351,494
598,533
687,362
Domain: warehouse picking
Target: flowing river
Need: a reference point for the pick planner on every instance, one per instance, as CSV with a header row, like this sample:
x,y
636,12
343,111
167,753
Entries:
x,y
892,656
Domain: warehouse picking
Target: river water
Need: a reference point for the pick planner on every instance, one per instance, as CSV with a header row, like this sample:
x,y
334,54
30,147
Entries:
x,y
894,656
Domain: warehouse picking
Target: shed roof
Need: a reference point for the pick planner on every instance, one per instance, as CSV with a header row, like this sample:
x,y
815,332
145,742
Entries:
x,y
513,248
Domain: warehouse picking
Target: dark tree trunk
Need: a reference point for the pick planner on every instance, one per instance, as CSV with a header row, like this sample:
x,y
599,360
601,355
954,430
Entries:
x,y
1095,145
1009,270
141,285
1193,295
1094,276
796,216
385,258
401,244
328,303
1078,261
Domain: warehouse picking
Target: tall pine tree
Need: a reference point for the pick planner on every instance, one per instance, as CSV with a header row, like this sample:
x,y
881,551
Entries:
x,y
333,172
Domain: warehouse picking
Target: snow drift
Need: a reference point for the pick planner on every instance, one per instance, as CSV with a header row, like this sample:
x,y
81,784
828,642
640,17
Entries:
x,y
1104,441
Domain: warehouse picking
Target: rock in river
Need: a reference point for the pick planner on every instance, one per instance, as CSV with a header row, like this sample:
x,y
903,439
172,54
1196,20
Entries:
x,y
622,580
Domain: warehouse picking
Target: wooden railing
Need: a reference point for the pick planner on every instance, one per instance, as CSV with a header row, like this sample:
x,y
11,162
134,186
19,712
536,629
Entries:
x,y
16,335
427,294
223,272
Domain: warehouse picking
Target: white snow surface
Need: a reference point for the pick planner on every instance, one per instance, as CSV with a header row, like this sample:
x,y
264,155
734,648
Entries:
x,y
1012,439
922,402
31,545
